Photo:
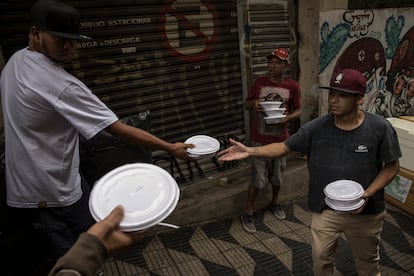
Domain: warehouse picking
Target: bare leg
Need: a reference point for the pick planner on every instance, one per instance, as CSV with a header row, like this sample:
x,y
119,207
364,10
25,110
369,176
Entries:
x,y
251,198
276,190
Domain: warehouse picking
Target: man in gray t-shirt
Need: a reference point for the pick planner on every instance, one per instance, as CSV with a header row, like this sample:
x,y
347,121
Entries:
x,y
346,144
45,109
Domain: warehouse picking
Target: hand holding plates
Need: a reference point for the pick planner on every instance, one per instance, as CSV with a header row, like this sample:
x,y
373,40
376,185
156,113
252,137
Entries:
x,y
205,146
148,193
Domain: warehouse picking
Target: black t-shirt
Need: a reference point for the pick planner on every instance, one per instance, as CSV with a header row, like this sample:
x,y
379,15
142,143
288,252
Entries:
x,y
335,154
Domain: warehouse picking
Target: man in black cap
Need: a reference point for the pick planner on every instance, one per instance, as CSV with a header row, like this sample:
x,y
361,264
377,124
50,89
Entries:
x,y
56,22
346,144
45,109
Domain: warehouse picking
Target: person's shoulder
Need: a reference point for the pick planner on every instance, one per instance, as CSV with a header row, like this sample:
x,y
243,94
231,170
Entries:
x,y
377,121
375,118
19,53
317,126
320,121
290,82
288,79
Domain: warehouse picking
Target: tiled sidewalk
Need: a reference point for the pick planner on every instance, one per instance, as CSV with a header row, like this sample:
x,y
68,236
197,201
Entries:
x,y
279,247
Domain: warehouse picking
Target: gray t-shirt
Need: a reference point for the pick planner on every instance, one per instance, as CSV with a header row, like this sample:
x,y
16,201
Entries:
x,y
44,109
335,154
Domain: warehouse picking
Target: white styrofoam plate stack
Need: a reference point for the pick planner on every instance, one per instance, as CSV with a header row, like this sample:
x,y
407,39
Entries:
x,y
274,119
205,146
344,195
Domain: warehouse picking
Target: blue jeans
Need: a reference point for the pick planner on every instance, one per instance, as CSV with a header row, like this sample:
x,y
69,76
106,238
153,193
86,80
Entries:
x,y
62,225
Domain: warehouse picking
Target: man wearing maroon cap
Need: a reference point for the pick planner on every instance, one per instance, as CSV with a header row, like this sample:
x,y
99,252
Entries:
x,y
350,144
273,87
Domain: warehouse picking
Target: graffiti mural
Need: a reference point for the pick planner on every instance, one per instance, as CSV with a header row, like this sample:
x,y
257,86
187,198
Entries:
x,y
380,44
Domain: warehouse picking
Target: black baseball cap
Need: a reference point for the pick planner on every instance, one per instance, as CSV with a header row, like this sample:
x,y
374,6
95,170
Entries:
x,y
58,18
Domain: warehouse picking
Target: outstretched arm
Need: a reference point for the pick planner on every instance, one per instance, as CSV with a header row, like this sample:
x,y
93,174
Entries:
x,y
238,151
138,137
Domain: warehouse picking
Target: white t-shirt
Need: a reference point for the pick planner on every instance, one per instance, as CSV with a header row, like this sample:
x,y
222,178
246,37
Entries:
x,y
44,109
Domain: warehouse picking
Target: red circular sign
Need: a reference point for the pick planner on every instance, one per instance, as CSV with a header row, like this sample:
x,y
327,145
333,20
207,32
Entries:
x,y
189,32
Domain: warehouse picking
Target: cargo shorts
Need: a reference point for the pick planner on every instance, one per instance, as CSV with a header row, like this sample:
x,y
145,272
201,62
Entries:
x,y
267,170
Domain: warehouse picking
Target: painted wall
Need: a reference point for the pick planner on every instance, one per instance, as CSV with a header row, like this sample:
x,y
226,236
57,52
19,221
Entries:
x,y
380,44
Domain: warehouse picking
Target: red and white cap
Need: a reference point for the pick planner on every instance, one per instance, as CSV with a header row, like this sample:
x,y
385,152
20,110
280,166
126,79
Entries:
x,y
280,53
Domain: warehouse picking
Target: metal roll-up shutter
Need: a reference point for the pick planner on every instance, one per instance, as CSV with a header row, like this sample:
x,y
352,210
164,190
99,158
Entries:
x,y
178,59
270,26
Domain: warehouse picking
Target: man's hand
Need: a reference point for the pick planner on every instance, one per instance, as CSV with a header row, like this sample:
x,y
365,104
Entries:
x,y
237,151
179,149
257,106
108,232
365,197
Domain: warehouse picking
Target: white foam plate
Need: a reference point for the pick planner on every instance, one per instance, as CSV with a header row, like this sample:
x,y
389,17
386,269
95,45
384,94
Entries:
x,y
275,112
274,117
343,207
276,109
344,190
271,104
203,145
148,193
202,156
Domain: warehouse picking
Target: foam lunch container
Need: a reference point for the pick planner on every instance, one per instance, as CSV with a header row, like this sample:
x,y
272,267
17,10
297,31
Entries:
x,y
344,195
148,193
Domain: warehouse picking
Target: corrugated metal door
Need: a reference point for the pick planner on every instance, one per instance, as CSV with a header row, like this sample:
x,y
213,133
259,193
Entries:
x,y
178,59
271,24
267,25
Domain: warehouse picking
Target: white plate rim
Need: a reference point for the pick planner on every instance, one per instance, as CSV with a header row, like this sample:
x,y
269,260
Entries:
x,y
275,117
270,102
273,109
214,147
165,210
332,205
344,197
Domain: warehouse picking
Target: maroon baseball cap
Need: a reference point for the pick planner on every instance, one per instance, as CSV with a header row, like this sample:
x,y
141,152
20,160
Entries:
x,y
349,81
280,53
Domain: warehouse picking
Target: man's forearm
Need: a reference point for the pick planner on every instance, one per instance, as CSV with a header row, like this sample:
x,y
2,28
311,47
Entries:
x,y
84,258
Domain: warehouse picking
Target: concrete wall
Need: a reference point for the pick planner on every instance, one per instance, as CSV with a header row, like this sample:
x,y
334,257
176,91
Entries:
x,y
325,5
308,27
308,24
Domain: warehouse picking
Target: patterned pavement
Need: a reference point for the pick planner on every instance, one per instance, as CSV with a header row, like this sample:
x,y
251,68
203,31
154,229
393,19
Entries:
x,y
279,247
